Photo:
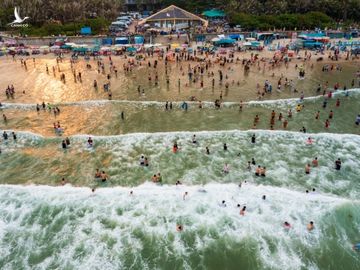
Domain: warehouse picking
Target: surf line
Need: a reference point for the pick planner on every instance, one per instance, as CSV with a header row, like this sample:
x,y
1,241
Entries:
x,y
209,104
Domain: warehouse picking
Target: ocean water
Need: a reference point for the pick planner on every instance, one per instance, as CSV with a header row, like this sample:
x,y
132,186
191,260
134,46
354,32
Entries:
x,y
103,117
72,228
44,225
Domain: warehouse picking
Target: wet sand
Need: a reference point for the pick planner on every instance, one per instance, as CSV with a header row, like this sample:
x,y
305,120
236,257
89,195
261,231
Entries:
x,y
40,86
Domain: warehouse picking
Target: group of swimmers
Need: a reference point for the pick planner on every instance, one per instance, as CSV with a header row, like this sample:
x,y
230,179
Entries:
x,y
10,92
156,178
101,175
144,161
6,136
65,143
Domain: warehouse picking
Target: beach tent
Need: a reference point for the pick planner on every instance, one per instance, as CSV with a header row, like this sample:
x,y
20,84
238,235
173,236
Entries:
x,y
80,49
131,49
139,39
122,40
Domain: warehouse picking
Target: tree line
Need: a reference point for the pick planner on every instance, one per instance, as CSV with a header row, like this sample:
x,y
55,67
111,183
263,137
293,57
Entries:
x,y
338,10
65,16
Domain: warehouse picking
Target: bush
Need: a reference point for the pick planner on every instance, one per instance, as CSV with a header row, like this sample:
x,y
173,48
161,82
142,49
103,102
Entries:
x,y
309,20
48,29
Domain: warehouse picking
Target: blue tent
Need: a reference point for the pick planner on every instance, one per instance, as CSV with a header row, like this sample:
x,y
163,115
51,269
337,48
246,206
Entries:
x,y
225,41
122,40
139,40
85,30
107,41
236,36
131,49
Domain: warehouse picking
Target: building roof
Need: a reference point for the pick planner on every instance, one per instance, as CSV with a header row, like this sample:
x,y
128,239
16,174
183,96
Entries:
x,y
173,13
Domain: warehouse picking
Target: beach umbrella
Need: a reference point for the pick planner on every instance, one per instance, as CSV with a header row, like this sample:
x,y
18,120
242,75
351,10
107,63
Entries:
x,y
175,45
131,49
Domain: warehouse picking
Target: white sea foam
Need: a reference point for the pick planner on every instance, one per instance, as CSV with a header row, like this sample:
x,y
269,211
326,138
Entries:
x,y
87,219
204,134
177,104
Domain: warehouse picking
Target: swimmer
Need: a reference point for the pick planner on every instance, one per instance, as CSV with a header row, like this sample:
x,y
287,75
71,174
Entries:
x,y
315,162
207,150
258,171
310,226
285,123
142,160
223,204
63,144
263,172
338,164
63,182
253,161
97,173
185,195
289,113
287,225
264,197
317,115
158,178
307,169
249,166
175,148
309,140
337,103
104,176
179,228
226,168
242,211
327,123
357,120
225,147
253,138
90,142
194,139
178,183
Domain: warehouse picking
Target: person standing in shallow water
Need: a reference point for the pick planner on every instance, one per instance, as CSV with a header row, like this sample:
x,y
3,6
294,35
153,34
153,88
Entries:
x,y
338,164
